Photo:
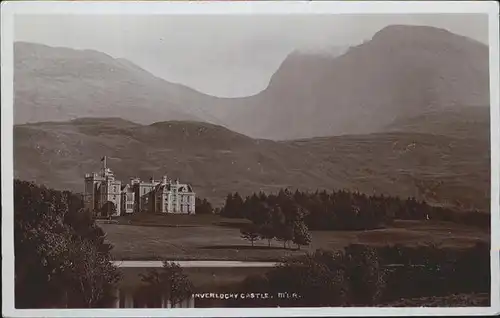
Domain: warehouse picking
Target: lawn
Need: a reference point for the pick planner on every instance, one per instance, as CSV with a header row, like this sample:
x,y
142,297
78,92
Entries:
x,y
209,237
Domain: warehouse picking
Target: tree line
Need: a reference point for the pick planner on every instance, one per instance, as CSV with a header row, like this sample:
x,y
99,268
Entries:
x,y
275,224
343,210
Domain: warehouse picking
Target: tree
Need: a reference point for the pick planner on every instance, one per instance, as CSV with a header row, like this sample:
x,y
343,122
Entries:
x,y
203,206
365,273
277,217
267,231
285,234
61,258
259,212
237,205
91,274
108,209
250,233
227,209
319,279
233,208
301,235
171,281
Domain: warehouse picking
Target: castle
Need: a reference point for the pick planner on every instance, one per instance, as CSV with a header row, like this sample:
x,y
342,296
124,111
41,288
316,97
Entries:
x,y
155,196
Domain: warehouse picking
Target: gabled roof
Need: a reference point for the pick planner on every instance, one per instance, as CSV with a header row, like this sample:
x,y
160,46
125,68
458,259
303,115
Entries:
x,y
162,187
127,188
188,187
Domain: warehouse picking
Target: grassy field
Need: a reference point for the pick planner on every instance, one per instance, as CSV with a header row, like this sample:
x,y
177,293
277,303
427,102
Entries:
x,y
209,237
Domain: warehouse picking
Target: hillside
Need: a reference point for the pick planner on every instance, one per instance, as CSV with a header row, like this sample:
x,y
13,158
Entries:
x,y
52,83
403,71
462,122
438,168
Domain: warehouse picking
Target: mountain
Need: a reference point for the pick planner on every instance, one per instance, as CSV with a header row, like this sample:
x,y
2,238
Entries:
x,y
405,113
403,71
442,169
53,84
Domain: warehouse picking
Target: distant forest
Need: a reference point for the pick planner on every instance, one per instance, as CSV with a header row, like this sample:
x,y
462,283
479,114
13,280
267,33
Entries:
x,y
342,210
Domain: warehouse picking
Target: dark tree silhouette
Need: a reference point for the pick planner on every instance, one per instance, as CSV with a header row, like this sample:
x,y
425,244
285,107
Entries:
x,y
301,235
170,282
108,209
250,233
267,232
203,206
285,234
61,257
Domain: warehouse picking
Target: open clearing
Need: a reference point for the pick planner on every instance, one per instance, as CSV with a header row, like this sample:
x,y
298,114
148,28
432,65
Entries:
x,y
208,237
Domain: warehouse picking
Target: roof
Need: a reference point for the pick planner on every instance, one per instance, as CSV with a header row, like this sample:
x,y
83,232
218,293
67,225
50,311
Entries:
x,y
127,188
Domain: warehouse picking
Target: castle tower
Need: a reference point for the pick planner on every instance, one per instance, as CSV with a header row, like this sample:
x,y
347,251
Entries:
x,y
91,199
101,188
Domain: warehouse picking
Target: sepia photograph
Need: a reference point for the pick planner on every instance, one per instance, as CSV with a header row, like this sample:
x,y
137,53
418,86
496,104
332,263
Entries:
x,y
205,160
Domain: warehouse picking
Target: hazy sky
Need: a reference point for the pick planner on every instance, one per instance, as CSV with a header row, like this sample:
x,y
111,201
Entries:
x,y
222,55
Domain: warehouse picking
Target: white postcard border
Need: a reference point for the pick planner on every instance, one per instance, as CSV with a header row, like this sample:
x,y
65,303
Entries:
x,y
11,8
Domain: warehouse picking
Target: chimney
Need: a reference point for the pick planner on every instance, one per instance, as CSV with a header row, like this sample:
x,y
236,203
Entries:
x,y
164,181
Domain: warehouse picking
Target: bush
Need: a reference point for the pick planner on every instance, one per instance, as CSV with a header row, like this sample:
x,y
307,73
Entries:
x,y
366,276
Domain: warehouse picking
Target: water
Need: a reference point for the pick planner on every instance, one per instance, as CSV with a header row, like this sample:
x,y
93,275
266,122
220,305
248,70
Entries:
x,y
195,264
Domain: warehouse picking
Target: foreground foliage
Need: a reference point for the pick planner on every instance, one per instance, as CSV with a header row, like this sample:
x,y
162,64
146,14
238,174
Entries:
x,y
61,259
367,276
170,283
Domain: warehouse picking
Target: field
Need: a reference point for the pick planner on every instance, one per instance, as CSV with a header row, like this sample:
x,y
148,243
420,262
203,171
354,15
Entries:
x,y
208,237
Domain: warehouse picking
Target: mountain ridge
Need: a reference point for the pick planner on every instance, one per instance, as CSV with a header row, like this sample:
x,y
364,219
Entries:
x,y
401,71
398,73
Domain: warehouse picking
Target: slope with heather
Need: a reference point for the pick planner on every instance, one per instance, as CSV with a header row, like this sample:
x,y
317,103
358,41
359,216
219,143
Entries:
x,y
448,170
